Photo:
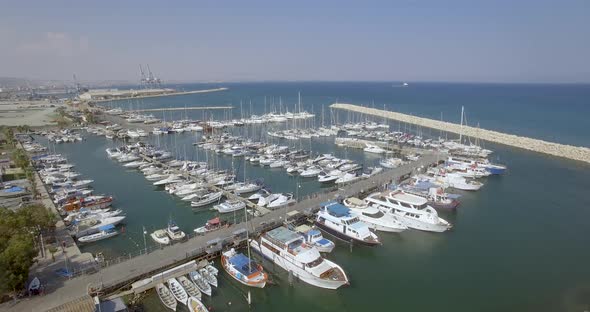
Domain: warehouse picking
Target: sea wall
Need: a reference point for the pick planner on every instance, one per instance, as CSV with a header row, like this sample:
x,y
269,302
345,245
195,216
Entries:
x,y
536,145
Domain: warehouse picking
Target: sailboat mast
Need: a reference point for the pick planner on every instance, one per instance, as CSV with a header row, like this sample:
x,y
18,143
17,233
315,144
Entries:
x,y
461,132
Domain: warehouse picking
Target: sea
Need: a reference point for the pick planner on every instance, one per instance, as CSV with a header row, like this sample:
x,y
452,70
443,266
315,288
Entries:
x,y
518,244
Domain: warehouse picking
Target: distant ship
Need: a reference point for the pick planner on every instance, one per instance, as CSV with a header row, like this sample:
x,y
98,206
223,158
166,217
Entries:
x,y
405,84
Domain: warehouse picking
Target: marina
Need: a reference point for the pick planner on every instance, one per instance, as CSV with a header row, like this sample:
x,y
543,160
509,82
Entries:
x,y
176,179
332,157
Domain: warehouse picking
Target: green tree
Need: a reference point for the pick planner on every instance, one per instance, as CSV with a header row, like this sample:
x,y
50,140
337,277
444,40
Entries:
x,y
15,261
20,158
17,249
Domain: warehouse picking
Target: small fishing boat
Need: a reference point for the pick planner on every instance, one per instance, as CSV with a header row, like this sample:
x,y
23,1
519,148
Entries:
x,y
177,291
34,286
190,287
213,270
166,296
203,286
243,269
160,237
106,231
208,277
314,237
210,226
194,305
174,231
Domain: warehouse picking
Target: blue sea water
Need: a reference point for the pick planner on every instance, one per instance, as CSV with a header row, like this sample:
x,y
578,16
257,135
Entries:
x,y
518,244
557,113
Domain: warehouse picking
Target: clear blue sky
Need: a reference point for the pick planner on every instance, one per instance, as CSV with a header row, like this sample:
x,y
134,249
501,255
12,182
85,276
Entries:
x,y
498,41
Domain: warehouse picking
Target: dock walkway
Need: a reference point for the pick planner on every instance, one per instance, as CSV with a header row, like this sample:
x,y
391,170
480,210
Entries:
x,y
554,149
119,274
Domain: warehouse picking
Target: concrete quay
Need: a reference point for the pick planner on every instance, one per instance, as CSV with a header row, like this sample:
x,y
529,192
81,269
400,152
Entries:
x,y
550,148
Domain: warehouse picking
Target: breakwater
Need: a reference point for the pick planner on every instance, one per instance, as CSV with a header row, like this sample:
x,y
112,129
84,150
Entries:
x,y
550,148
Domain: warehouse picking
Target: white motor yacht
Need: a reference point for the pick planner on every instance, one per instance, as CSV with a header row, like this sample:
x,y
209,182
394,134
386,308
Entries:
x,y
288,250
412,210
230,206
374,149
174,231
337,220
310,172
347,178
374,217
206,199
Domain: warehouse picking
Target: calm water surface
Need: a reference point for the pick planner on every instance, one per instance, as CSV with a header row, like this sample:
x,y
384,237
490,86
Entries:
x,y
519,244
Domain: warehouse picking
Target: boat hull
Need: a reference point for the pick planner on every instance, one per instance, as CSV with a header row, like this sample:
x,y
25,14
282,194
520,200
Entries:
x,y
297,271
344,237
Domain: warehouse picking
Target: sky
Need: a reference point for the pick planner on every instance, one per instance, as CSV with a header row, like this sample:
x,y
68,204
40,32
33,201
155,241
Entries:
x,y
467,41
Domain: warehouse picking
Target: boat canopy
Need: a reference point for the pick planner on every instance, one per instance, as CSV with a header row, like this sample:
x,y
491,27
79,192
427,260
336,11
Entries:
x,y
107,227
13,189
242,264
338,210
214,221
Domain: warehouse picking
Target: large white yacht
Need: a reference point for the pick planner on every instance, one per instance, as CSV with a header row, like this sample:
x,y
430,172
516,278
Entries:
x,y
288,250
374,217
337,220
412,209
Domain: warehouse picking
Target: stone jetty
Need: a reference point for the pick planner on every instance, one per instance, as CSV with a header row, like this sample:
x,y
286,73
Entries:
x,y
554,149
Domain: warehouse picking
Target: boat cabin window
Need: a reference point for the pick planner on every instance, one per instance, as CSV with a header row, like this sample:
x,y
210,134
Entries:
x,y
314,263
295,244
406,205
375,215
422,206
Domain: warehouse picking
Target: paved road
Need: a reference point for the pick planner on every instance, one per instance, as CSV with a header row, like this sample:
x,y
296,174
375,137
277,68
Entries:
x,y
182,252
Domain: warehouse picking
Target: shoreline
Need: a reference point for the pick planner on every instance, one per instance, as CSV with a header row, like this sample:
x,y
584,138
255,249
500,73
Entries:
x,y
162,95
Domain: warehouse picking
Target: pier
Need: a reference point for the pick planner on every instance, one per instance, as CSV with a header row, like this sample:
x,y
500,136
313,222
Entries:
x,y
116,276
550,148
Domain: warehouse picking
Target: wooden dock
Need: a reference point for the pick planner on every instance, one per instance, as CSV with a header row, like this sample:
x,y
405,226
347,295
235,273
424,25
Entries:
x,y
550,148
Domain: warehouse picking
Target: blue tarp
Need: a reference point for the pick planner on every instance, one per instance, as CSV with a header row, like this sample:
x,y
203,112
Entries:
x,y
13,189
338,210
106,227
242,264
